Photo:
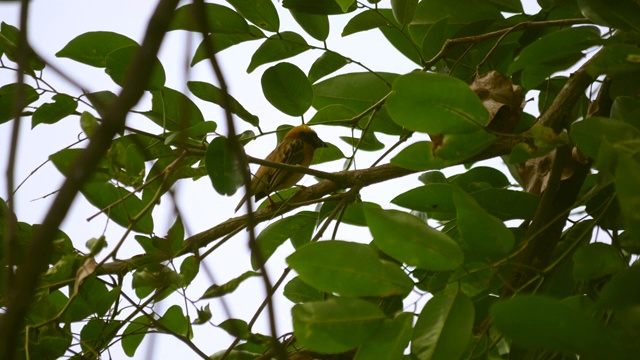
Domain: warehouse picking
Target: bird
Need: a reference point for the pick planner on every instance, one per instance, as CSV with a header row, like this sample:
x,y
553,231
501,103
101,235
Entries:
x,y
297,148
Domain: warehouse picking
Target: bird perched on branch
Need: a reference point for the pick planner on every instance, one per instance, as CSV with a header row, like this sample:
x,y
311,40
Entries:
x,y
297,148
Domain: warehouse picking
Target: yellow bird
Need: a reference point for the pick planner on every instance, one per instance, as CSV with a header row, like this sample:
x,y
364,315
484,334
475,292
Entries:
x,y
297,148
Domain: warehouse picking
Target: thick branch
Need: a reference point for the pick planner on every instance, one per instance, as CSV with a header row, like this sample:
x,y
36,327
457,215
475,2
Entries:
x,y
560,196
558,116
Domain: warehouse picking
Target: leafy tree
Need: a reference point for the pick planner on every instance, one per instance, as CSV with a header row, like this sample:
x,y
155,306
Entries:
x,y
539,267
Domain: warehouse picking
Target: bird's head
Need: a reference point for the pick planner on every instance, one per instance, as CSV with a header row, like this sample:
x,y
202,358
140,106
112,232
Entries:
x,y
306,134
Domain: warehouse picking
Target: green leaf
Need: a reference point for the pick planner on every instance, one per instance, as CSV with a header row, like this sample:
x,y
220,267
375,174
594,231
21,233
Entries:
x,y
480,177
436,200
101,100
627,109
513,6
236,327
354,213
326,64
419,156
345,4
299,291
411,241
50,113
349,269
300,225
474,278
403,10
436,104
173,110
319,7
196,132
204,315
260,12
211,93
335,325
627,178
596,260
333,115
433,177
315,25
539,322
615,14
367,141
92,48
614,60
400,39
222,167
556,46
287,88
278,47
174,322
50,342
533,76
9,94
189,269
119,61
326,154
175,236
435,38
622,291
366,20
589,134
9,38
483,232
234,355
220,19
222,41
158,277
461,12
507,204
389,341
97,334
357,91
461,147
444,326
104,195
220,290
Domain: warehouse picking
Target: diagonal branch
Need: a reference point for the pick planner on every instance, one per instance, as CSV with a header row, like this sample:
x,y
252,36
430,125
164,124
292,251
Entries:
x,y
349,179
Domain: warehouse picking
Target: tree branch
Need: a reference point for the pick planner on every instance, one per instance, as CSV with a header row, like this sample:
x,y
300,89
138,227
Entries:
x,y
521,26
560,195
41,245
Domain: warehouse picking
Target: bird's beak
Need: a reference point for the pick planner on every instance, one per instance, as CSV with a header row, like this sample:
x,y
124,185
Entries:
x,y
319,143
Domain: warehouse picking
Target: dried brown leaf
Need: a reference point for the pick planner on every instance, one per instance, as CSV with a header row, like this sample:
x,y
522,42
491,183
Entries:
x,y
84,271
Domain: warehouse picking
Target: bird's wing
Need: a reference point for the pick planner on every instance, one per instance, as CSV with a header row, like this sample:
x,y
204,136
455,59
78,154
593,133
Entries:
x,y
291,153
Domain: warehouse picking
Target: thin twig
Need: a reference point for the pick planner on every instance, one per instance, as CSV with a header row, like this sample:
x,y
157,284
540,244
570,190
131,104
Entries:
x,y
236,147
11,222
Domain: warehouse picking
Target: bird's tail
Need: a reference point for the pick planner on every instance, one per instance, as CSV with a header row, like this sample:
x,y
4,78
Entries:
x,y
244,199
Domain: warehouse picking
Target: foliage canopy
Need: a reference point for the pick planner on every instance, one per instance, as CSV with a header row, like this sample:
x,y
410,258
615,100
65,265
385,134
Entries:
x,y
539,267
